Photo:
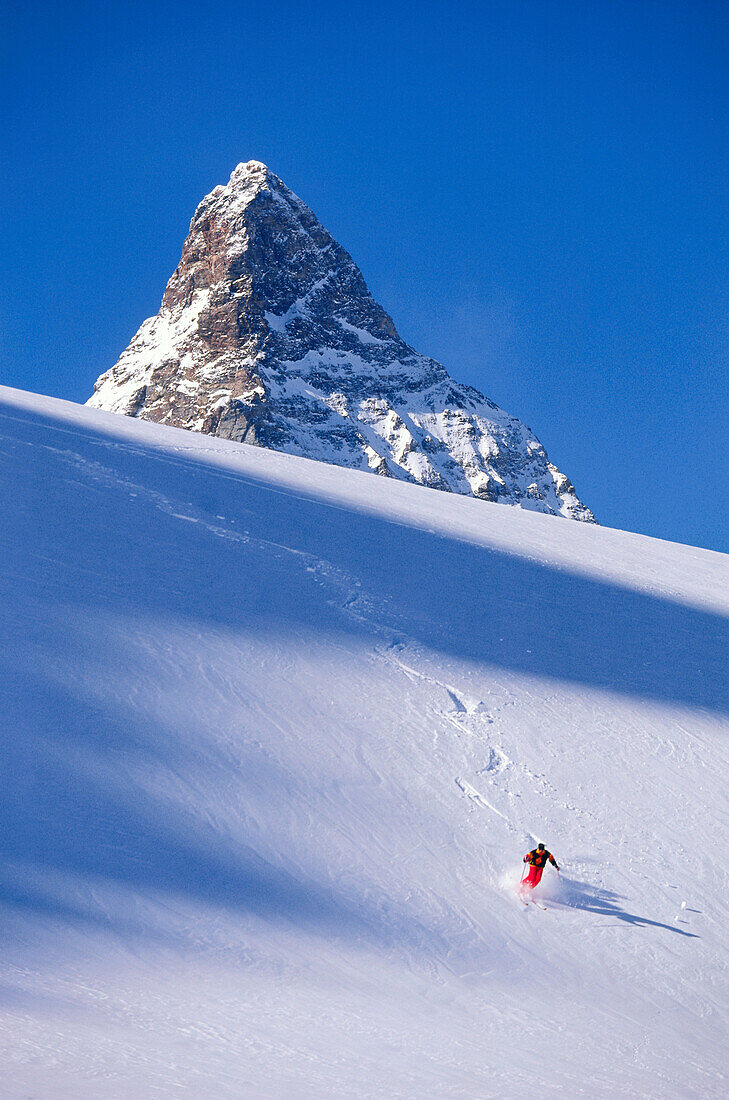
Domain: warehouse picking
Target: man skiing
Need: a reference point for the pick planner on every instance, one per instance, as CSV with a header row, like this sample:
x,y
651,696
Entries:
x,y
537,860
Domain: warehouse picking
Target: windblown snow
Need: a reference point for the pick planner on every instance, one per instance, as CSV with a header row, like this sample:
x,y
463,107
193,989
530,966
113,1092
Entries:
x,y
276,737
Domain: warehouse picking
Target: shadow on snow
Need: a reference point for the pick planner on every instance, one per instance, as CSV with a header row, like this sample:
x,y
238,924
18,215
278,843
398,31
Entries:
x,y
573,894
114,541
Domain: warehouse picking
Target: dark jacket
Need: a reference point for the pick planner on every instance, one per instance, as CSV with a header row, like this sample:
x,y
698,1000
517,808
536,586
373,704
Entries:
x,y
539,859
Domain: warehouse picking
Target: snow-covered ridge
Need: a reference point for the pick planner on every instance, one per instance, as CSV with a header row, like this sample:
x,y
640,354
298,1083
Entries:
x,y
267,334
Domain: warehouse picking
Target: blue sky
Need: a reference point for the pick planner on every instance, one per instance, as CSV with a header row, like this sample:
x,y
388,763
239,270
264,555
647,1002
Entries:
x,y
536,191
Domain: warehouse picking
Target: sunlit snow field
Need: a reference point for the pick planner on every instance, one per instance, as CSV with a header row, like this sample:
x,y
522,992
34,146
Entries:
x,y
276,736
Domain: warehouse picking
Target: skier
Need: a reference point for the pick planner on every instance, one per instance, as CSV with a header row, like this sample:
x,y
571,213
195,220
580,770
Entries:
x,y
537,860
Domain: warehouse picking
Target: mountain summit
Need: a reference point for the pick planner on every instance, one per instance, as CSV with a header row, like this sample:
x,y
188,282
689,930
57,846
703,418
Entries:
x,y
267,334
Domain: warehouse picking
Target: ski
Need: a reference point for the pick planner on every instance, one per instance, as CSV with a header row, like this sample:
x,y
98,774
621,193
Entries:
x,y
526,902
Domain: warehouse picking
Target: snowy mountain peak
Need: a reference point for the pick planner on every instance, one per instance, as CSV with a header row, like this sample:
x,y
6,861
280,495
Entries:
x,y
267,334
250,168
248,179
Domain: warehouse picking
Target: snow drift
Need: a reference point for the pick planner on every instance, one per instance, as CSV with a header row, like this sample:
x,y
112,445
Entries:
x,y
276,736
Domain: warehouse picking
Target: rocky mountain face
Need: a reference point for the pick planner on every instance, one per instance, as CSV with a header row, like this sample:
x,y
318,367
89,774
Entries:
x,y
268,334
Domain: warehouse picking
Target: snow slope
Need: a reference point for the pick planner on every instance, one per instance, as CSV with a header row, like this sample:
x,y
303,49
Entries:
x,y
276,736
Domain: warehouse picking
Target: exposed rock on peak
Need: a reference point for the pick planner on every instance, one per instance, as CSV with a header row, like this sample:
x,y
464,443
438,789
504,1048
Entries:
x,y
268,334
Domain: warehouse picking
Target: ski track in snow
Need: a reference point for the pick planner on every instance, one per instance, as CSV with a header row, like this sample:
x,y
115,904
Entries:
x,y
263,825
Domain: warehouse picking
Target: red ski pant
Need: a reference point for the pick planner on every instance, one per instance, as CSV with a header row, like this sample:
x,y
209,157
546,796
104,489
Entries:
x,y
532,878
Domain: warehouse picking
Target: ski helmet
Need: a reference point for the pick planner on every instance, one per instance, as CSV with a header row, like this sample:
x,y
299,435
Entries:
x,y
540,847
